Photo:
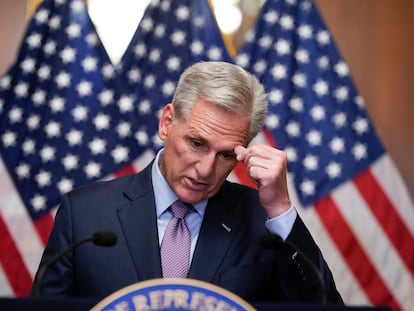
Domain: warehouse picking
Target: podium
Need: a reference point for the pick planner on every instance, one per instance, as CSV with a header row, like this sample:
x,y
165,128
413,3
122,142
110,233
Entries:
x,y
166,294
83,304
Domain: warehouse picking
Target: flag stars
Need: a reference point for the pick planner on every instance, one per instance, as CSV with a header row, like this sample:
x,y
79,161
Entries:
x,y
52,129
89,64
21,89
9,139
54,22
23,171
323,37
28,65
339,119
296,104
314,138
291,153
50,47
97,146
318,113
68,55
282,47
337,145
155,56
178,38
44,72
123,129
63,79
101,122
74,137
38,202
196,47
41,16
271,17
43,178
275,96
149,81
333,170
106,97
302,56
320,88
142,137
168,88
140,50
70,162
160,31
305,31
299,79
323,62
125,103
265,42
272,121
47,153
279,71
341,69
359,151
29,146
65,185
361,126
80,113
287,22
33,122
311,162
307,187
84,88
214,53
108,70
120,154
73,31
92,170
341,93
15,115
182,13
260,67
34,40
134,75
293,129
173,64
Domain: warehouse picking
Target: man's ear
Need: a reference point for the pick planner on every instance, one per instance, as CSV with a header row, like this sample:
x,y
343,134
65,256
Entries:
x,y
166,120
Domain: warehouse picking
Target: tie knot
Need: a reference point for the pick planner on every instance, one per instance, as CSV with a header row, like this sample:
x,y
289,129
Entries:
x,y
179,209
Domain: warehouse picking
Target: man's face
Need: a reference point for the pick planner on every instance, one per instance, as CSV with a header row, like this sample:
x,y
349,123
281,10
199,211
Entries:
x,y
198,154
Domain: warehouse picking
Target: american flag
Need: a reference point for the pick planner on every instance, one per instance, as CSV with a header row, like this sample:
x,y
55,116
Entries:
x,y
69,117
344,183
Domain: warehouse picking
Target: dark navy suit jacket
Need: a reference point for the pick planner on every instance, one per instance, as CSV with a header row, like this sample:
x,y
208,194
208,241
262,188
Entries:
x,y
230,256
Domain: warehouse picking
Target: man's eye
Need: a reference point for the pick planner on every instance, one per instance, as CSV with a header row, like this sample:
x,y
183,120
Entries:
x,y
228,155
197,144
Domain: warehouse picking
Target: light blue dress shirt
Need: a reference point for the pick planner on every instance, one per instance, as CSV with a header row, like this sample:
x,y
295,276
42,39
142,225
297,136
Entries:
x,y
164,197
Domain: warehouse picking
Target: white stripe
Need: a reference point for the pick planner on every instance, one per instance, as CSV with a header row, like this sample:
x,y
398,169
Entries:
x,y
347,285
5,289
392,184
143,160
376,244
19,223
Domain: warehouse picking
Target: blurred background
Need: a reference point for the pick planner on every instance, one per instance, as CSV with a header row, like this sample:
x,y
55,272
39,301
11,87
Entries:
x,y
375,38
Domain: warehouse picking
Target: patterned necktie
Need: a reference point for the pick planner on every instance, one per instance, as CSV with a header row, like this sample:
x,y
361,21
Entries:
x,y
176,243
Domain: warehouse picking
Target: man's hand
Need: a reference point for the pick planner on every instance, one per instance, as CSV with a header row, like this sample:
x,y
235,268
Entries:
x,y
267,167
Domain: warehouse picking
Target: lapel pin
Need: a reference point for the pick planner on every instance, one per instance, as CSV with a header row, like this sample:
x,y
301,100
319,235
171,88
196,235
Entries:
x,y
228,229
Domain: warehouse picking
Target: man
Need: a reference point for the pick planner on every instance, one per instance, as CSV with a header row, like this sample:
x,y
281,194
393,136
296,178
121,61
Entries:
x,y
217,109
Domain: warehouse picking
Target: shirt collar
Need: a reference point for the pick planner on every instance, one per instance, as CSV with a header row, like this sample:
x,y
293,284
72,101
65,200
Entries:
x,y
164,196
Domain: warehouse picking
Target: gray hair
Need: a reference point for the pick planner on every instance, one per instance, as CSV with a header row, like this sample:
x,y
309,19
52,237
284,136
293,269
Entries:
x,y
225,85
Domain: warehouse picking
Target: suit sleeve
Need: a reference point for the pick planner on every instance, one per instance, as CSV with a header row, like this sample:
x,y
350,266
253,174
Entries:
x,y
303,272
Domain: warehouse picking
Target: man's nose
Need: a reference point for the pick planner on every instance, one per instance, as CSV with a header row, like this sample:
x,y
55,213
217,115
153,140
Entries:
x,y
206,164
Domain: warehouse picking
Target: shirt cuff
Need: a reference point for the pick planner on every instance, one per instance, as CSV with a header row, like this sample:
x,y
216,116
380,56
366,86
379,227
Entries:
x,y
282,224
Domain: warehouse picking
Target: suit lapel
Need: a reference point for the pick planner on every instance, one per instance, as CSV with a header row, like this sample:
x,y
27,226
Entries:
x,y
217,231
139,223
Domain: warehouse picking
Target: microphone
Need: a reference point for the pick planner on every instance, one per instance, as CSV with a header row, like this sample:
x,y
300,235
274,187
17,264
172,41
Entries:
x,y
101,238
273,241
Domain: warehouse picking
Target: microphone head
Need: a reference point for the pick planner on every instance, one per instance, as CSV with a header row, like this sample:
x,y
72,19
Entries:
x,y
104,238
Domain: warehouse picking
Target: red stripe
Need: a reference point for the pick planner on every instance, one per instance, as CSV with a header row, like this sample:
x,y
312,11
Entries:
x,y
44,226
241,174
18,276
357,259
387,216
127,170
